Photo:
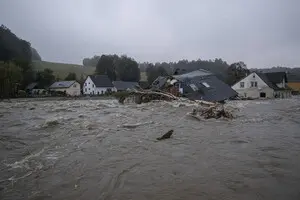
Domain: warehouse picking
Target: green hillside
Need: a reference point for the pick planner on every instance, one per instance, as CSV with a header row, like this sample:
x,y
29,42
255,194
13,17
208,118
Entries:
x,y
61,70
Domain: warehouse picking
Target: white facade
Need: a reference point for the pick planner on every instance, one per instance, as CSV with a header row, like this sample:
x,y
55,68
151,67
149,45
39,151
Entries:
x,y
89,88
254,87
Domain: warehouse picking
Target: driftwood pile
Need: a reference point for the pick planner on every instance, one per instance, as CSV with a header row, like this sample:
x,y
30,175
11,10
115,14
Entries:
x,y
204,110
213,111
145,96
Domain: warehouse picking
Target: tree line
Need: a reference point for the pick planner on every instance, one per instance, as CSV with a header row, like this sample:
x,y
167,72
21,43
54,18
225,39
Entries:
x,y
228,73
127,69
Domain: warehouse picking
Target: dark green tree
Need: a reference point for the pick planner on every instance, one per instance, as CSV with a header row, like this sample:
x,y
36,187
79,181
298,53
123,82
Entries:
x,y
71,76
236,72
35,54
45,78
91,61
127,69
17,51
10,80
107,66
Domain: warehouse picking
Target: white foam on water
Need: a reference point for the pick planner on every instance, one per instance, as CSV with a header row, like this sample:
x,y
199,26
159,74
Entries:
x,y
23,163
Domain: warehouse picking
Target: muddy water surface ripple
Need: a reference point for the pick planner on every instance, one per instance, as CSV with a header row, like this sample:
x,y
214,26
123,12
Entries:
x,y
80,149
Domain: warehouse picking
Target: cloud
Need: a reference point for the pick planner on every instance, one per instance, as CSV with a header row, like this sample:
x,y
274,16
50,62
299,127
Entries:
x,y
260,33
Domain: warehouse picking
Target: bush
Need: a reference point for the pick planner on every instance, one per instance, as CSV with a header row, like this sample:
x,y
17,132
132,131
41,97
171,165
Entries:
x,y
21,93
121,94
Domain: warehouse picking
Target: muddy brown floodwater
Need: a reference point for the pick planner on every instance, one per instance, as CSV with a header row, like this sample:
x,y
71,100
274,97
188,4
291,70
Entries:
x,y
79,149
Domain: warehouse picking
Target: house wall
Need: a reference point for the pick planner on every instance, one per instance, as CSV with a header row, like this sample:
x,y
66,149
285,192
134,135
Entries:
x,y
73,90
283,94
89,88
253,92
38,91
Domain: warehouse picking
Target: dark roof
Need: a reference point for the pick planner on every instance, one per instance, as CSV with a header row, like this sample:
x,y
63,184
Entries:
x,y
196,73
101,81
271,79
159,82
31,86
208,88
199,85
62,84
124,85
294,78
276,77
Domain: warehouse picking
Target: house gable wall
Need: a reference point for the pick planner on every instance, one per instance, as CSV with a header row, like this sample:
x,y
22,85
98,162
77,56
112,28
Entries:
x,y
89,88
253,92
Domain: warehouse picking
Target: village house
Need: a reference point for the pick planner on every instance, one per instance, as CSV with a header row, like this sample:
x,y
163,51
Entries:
x,y
98,85
71,88
35,89
263,85
124,85
196,85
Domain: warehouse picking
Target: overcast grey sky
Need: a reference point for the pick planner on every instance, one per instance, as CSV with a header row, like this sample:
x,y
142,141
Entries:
x,y
262,33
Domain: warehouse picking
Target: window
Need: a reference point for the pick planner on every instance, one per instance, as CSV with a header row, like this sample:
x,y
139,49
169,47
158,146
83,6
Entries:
x,y
74,85
262,95
93,85
194,87
205,84
253,84
89,83
85,90
89,88
242,84
84,84
253,76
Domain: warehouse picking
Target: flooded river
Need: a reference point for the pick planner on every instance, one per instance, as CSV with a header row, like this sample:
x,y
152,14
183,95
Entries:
x,y
79,149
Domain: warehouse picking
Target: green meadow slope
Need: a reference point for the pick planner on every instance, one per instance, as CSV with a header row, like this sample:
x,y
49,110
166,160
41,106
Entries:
x,y
61,70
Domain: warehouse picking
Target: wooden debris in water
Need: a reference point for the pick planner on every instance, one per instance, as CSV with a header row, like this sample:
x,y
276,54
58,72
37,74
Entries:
x,y
166,135
214,111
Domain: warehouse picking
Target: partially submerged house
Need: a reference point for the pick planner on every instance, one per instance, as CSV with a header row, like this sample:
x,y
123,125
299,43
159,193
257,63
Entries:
x,y
35,89
97,85
196,85
71,88
263,85
124,85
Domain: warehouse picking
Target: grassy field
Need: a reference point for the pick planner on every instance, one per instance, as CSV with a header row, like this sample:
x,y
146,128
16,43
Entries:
x,y
61,70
